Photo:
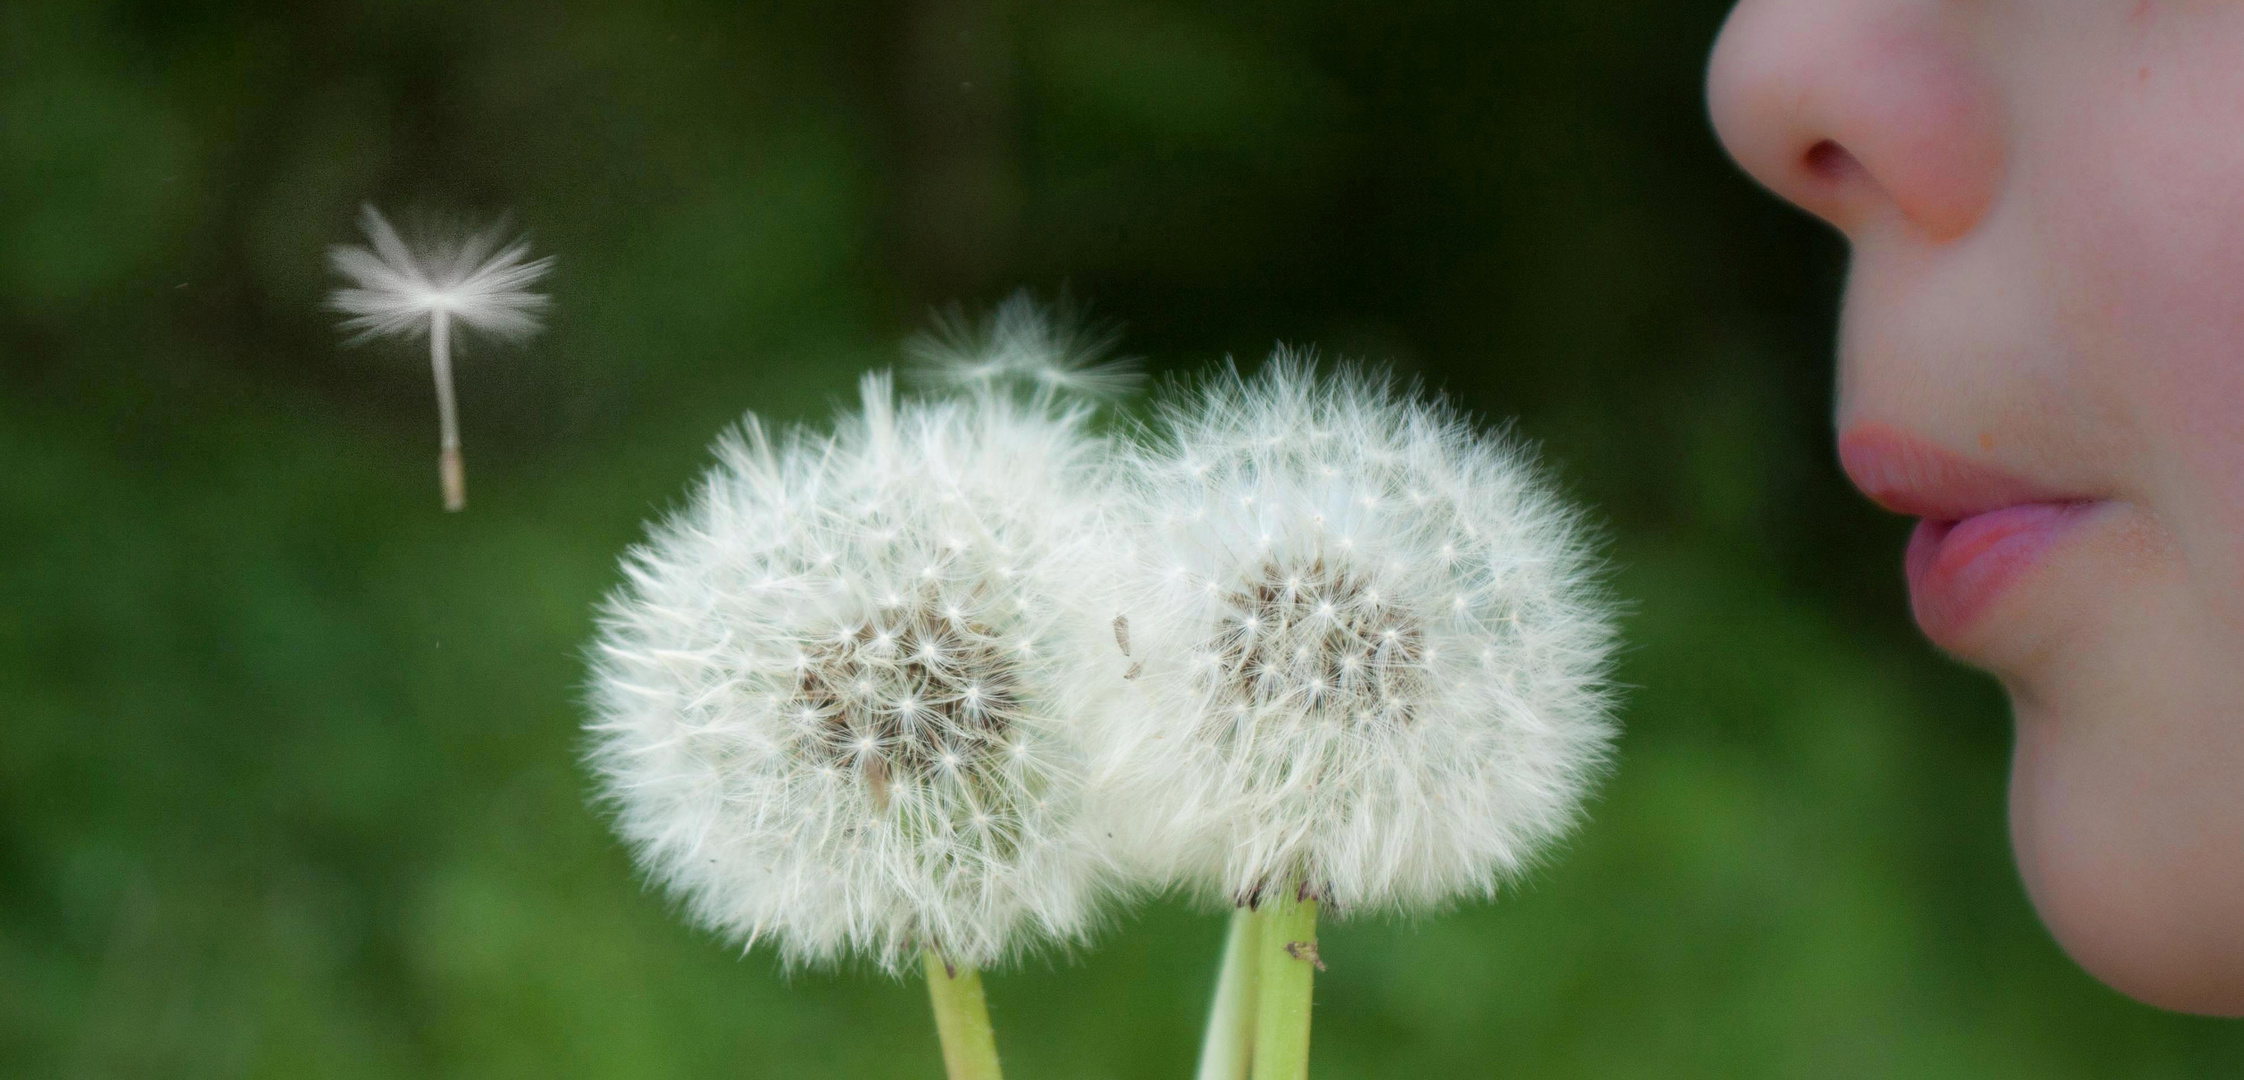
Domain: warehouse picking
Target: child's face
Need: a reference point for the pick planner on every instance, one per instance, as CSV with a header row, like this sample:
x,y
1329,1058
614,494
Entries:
x,y
2042,353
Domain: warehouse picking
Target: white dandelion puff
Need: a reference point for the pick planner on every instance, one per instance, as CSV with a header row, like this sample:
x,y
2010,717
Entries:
x,y
1371,655
835,706
480,279
1053,352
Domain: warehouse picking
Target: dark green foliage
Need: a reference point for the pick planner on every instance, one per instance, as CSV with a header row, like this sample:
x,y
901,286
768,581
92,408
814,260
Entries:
x,y
288,777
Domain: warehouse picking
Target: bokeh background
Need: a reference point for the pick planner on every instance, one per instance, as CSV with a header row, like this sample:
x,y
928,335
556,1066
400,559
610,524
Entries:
x,y
288,772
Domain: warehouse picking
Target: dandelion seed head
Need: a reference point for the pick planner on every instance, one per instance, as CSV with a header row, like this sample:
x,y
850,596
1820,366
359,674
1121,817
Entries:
x,y
1334,692
871,744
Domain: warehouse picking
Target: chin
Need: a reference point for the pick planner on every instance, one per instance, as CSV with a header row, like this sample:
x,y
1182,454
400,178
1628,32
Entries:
x,y
2127,802
2140,926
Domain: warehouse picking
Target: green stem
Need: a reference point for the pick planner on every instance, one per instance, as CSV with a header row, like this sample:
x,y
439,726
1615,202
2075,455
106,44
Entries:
x,y
962,1019
1289,971
1229,1042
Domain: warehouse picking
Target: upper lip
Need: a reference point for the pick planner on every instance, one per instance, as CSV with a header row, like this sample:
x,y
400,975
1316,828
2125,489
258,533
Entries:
x,y
1908,475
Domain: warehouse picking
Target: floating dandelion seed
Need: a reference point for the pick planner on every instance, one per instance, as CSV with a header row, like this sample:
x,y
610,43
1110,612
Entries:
x,y
835,706
1052,352
481,279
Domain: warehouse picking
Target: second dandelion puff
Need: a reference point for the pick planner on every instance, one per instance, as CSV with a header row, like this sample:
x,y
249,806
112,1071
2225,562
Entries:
x,y
479,280
1371,660
1373,652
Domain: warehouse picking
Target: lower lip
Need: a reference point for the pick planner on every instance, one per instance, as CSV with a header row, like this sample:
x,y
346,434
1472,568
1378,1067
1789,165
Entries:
x,y
1958,568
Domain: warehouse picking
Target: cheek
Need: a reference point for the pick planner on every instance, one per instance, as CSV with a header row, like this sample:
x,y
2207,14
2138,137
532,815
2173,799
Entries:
x,y
2175,357
2148,224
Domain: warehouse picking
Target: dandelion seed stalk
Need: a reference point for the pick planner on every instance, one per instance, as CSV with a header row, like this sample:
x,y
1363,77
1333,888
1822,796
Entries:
x,y
1228,1046
962,1020
451,471
1289,966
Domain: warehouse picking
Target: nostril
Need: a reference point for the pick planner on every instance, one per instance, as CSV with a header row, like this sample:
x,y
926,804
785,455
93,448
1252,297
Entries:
x,y
1831,163
1862,113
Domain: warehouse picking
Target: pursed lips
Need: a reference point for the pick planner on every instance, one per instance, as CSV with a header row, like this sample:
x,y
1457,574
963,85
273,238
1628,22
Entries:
x,y
1981,530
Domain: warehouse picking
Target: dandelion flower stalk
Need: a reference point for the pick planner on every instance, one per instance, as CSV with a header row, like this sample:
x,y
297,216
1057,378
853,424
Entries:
x,y
962,1020
480,280
1227,1047
1287,948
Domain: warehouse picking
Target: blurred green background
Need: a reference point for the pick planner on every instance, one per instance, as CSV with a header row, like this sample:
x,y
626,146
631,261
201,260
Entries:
x,y
288,777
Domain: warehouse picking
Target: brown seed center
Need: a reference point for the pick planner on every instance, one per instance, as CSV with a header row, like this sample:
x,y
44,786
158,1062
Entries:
x,y
909,696
1316,642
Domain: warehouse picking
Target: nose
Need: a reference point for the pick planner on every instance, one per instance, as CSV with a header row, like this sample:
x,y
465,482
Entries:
x,y
1862,112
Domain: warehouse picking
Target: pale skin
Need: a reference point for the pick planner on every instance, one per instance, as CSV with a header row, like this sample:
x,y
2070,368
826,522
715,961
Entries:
x,y
2044,202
